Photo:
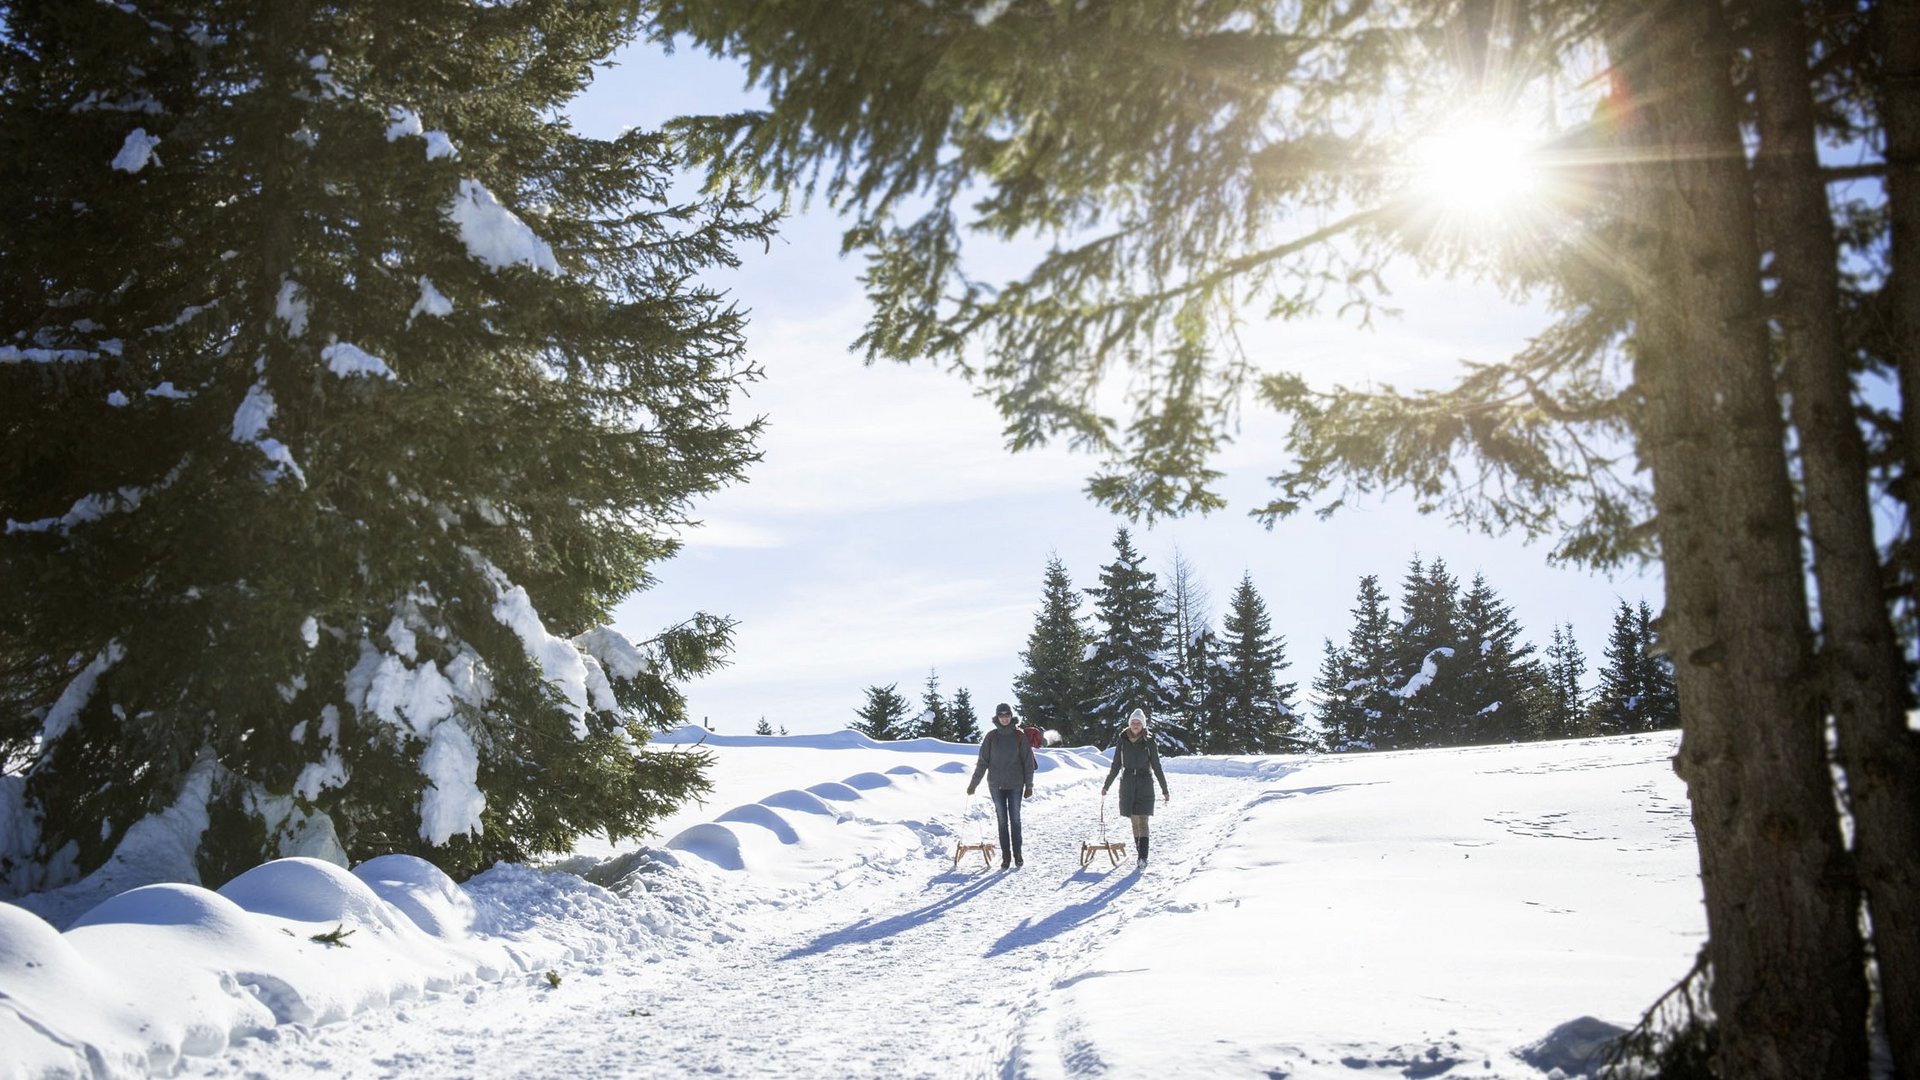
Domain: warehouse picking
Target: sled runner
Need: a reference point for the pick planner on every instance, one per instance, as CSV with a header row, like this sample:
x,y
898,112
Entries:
x,y
1113,849
980,843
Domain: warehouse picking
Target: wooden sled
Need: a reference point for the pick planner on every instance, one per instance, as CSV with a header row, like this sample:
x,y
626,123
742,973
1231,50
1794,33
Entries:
x,y
1089,849
986,854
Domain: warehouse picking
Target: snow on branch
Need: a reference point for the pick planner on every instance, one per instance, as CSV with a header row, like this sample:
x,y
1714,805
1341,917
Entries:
x,y
1425,676
495,235
137,151
250,426
346,360
78,692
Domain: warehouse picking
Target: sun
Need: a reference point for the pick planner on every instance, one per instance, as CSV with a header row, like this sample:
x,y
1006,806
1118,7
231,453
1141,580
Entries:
x,y
1479,169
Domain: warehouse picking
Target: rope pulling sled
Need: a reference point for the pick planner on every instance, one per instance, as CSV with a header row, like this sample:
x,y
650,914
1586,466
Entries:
x,y
1091,848
980,844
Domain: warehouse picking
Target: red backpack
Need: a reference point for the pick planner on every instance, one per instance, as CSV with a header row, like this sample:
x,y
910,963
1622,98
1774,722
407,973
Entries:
x,y
1035,739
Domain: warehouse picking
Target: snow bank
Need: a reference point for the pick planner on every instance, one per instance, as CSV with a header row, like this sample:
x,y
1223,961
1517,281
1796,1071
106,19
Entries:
x,y
167,971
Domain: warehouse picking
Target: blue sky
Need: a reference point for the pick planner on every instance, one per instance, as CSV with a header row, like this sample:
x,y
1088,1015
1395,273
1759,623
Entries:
x,y
889,533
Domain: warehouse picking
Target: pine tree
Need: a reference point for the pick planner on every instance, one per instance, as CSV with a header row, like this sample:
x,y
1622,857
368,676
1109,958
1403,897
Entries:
x,y
1368,659
1662,698
963,723
1425,657
1495,671
1128,666
1636,686
1190,647
1558,711
347,391
935,718
884,717
1052,684
1336,709
1256,710
763,728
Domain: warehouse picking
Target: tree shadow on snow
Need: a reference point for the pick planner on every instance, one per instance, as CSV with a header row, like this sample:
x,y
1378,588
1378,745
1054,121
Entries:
x,y
1032,933
1294,793
866,930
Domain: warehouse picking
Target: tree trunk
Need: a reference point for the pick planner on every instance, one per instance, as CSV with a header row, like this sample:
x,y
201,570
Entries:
x,y
1876,750
1899,43
1789,985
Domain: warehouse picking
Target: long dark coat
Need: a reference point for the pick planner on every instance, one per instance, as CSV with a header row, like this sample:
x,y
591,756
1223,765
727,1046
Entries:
x,y
1132,761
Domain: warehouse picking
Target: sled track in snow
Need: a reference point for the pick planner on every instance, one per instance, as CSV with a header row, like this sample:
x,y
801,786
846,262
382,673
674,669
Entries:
x,y
913,970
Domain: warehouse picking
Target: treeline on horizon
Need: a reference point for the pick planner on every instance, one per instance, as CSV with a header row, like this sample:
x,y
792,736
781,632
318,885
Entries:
x,y
1451,667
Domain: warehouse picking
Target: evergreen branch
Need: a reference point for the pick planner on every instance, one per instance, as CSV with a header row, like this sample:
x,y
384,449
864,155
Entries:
x,y
336,936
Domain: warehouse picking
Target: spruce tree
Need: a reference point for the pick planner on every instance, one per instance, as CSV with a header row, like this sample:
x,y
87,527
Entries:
x,y
347,389
1052,684
1495,670
1336,707
1636,687
1368,659
884,717
963,723
1255,708
1558,711
1425,657
1128,668
763,728
1190,649
935,717
1662,709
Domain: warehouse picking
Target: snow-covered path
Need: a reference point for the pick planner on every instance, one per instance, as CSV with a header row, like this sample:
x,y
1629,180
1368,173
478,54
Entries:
x,y
929,972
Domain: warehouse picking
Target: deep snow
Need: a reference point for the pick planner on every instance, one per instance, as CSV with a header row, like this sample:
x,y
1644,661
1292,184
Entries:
x,y
1426,913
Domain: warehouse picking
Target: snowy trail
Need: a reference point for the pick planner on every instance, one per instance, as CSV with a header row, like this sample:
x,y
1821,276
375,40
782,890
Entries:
x,y
930,972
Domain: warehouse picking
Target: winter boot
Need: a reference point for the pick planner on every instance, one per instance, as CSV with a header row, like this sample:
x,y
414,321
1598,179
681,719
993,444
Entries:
x,y
1004,860
1143,851
1017,860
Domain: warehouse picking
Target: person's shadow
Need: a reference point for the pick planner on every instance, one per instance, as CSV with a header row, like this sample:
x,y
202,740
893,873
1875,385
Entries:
x,y
1029,932
866,930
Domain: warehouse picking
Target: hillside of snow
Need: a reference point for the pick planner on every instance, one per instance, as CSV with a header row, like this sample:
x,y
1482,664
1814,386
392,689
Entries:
x,y
1416,914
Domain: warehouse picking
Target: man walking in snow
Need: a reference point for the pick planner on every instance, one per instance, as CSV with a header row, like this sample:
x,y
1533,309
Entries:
x,y
1136,760
1007,761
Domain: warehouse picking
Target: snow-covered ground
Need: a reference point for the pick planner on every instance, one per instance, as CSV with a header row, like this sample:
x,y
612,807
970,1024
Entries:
x,y
1414,914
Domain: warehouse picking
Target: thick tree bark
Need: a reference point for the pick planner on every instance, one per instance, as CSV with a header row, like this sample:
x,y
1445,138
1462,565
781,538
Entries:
x,y
1789,986
1899,43
1876,748
1862,673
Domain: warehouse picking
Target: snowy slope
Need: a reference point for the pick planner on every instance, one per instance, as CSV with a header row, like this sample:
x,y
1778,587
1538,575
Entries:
x,y
1414,914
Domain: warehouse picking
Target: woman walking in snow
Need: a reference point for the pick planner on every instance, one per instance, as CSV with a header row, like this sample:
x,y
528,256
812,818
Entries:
x,y
1007,761
1134,757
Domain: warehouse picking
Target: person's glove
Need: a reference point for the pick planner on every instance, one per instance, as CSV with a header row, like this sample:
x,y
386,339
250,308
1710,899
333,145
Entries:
x,y
971,786
1103,790
1028,793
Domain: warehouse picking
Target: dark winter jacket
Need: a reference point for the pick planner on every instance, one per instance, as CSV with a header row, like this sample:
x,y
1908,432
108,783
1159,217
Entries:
x,y
1132,760
1005,758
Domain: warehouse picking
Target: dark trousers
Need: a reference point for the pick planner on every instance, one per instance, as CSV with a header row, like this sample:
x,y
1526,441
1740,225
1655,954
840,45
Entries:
x,y
1006,809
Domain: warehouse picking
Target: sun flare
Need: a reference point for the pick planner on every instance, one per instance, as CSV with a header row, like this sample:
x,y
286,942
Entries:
x,y
1481,169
